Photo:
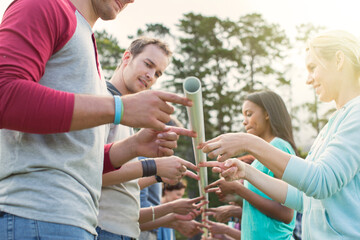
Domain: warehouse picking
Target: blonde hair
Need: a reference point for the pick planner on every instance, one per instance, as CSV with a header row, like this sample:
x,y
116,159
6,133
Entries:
x,y
325,46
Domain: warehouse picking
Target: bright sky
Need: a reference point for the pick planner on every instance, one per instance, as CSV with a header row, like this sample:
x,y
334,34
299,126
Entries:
x,y
334,14
342,14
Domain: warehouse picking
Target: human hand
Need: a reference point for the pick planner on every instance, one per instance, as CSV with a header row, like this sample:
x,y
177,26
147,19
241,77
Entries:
x,y
222,213
216,227
188,228
223,187
226,145
225,191
232,169
150,109
152,143
247,158
185,206
174,168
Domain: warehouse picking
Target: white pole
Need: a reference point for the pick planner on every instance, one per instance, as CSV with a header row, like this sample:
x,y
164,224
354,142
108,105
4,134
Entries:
x,y
192,90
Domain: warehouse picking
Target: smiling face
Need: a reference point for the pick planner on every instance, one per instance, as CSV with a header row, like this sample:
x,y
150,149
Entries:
x,y
256,120
141,72
323,76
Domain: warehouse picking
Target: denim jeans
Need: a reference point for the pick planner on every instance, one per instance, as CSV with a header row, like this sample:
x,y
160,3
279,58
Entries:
x,y
105,235
17,228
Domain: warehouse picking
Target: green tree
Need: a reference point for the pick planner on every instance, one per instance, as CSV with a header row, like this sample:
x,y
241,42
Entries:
x,y
155,29
264,46
109,52
205,49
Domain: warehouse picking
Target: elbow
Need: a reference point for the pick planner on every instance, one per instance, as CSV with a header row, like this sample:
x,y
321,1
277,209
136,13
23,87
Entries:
x,y
287,220
288,216
320,193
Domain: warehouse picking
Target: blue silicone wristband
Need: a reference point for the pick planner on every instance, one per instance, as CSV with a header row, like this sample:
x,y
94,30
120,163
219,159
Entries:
x,y
118,109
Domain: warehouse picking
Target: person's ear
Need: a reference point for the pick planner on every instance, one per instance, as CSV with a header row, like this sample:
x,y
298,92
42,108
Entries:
x,y
126,57
340,58
267,117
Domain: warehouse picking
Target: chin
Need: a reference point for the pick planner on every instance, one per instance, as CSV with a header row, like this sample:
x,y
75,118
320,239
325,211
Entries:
x,y
325,99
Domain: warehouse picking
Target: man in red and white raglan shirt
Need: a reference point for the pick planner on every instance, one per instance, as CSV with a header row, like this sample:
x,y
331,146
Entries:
x,y
54,108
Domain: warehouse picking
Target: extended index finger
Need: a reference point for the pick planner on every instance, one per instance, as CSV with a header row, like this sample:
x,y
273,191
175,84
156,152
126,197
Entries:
x,y
181,131
197,199
191,175
213,184
211,164
189,165
209,190
174,98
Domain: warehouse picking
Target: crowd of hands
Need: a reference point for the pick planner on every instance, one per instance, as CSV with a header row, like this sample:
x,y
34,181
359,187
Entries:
x,y
186,210
172,168
160,145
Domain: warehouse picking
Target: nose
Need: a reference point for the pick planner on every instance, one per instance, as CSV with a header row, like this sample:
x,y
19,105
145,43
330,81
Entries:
x,y
150,75
309,79
245,122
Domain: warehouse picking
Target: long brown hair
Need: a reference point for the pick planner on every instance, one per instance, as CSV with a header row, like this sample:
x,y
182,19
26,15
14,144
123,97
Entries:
x,y
280,120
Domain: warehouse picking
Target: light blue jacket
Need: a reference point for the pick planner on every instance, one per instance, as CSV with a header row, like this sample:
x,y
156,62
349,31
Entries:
x,y
329,179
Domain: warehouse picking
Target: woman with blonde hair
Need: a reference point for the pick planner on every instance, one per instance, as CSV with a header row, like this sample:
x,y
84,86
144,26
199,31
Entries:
x,y
325,187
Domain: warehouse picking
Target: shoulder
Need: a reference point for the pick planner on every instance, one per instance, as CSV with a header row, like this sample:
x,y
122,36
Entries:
x,y
42,20
282,145
37,9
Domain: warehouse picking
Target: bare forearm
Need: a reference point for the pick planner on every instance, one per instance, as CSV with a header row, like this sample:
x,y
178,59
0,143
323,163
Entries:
x,y
146,181
127,172
268,207
92,111
233,233
123,151
270,156
159,211
160,222
272,187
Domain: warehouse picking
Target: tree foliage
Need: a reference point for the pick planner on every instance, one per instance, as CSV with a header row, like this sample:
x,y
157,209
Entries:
x,y
109,52
231,59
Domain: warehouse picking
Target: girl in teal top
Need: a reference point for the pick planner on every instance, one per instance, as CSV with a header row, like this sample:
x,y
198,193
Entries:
x,y
325,187
257,225
266,116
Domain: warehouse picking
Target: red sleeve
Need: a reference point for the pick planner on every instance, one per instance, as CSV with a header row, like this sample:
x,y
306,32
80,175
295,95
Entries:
x,y
30,33
108,167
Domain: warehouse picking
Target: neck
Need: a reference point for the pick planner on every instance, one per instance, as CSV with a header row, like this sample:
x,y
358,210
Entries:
x,y
346,97
268,136
118,81
86,9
